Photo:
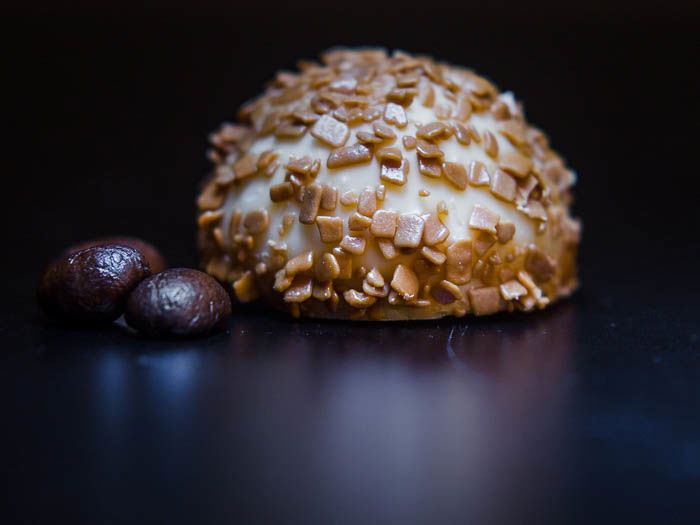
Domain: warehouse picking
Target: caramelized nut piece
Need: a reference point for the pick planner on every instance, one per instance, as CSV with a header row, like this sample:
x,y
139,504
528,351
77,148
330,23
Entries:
x,y
281,192
462,135
384,224
516,163
405,282
344,262
395,114
358,222
375,278
367,203
505,231
329,198
327,268
394,172
541,265
429,150
246,166
310,202
409,231
503,185
353,245
456,174
349,198
446,292
483,242
300,290
430,167
348,156
431,131
300,263
330,229
478,175
331,132
383,132
244,288
485,301
389,154
434,232
433,255
512,290
483,219
458,267
358,299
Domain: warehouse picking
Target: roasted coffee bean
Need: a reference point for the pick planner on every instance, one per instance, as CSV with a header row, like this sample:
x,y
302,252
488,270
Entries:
x,y
92,285
177,302
152,254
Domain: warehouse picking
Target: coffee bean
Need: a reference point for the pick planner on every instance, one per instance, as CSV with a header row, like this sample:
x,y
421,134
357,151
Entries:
x,y
152,254
177,302
91,285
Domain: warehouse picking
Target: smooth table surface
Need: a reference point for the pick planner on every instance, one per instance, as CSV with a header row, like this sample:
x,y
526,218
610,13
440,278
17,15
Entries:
x,y
584,412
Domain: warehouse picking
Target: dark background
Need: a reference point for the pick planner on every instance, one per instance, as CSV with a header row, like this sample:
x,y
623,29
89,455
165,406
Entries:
x,y
585,412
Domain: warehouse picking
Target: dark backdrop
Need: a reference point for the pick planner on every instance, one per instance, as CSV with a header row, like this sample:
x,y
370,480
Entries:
x,y
107,117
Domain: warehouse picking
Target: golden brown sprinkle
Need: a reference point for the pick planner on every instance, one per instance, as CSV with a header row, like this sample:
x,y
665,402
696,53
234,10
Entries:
x,y
430,167
505,231
348,156
435,231
516,163
409,142
459,262
331,132
327,268
456,174
358,299
503,185
344,262
329,198
310,202
409,231
433,255
349,198
358,222
541,265
428,149
512,290
446,292
256,221
244,288
477,174
405,282
422,192
395,114
490,145
483,219
485,301
330,229
281,192
246,166
353,245
387,248
300,290
210,218
367,202
300,263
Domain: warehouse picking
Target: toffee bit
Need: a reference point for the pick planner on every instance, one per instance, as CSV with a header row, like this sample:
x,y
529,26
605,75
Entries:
x,y
483,219
244,288
490,145
405,282
358,299
434,231
300,290
367,202
353,245
433,255
485,301
432,131
327,268
310,202
442,207
503,185
344,262
384,224
455,173
409,231
330,229
422,192
483,243
394,172
349,198
322,291
446,292
512,290
516,163
381,192
430,167
409,142
287,222
348,156
505,231
458,268
256,221
364,137
210,218
301,263
462,135
329,198
246,166
477,174
429,149
358,222
330,131
386,246
281,192
395,114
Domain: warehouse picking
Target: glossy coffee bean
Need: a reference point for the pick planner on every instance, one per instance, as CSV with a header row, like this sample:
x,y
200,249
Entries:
x,y
152,254
91,285
177,302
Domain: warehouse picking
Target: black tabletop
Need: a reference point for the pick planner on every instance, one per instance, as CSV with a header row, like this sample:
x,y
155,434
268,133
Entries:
x,y
584,412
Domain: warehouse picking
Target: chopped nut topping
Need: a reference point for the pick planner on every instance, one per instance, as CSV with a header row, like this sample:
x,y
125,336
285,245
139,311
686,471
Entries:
x,y
409,231
367,203
433,255
490,145
330,229
541,265
458,267
381,192
210,218
329,198
359,222
244,288
287,222
300,290
409,142
512,290
432,131
516,163
265,159
394,172
430,167
300,263
456,174
505,231
485,301
395,114
331,132
256,221
310,202
534,210
327,268
387,248
446,292
349,198
477,174
428,149
353,245
344,262
348,156
435,231
358,299
483,242
483,219
405,282
246,166
503,185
